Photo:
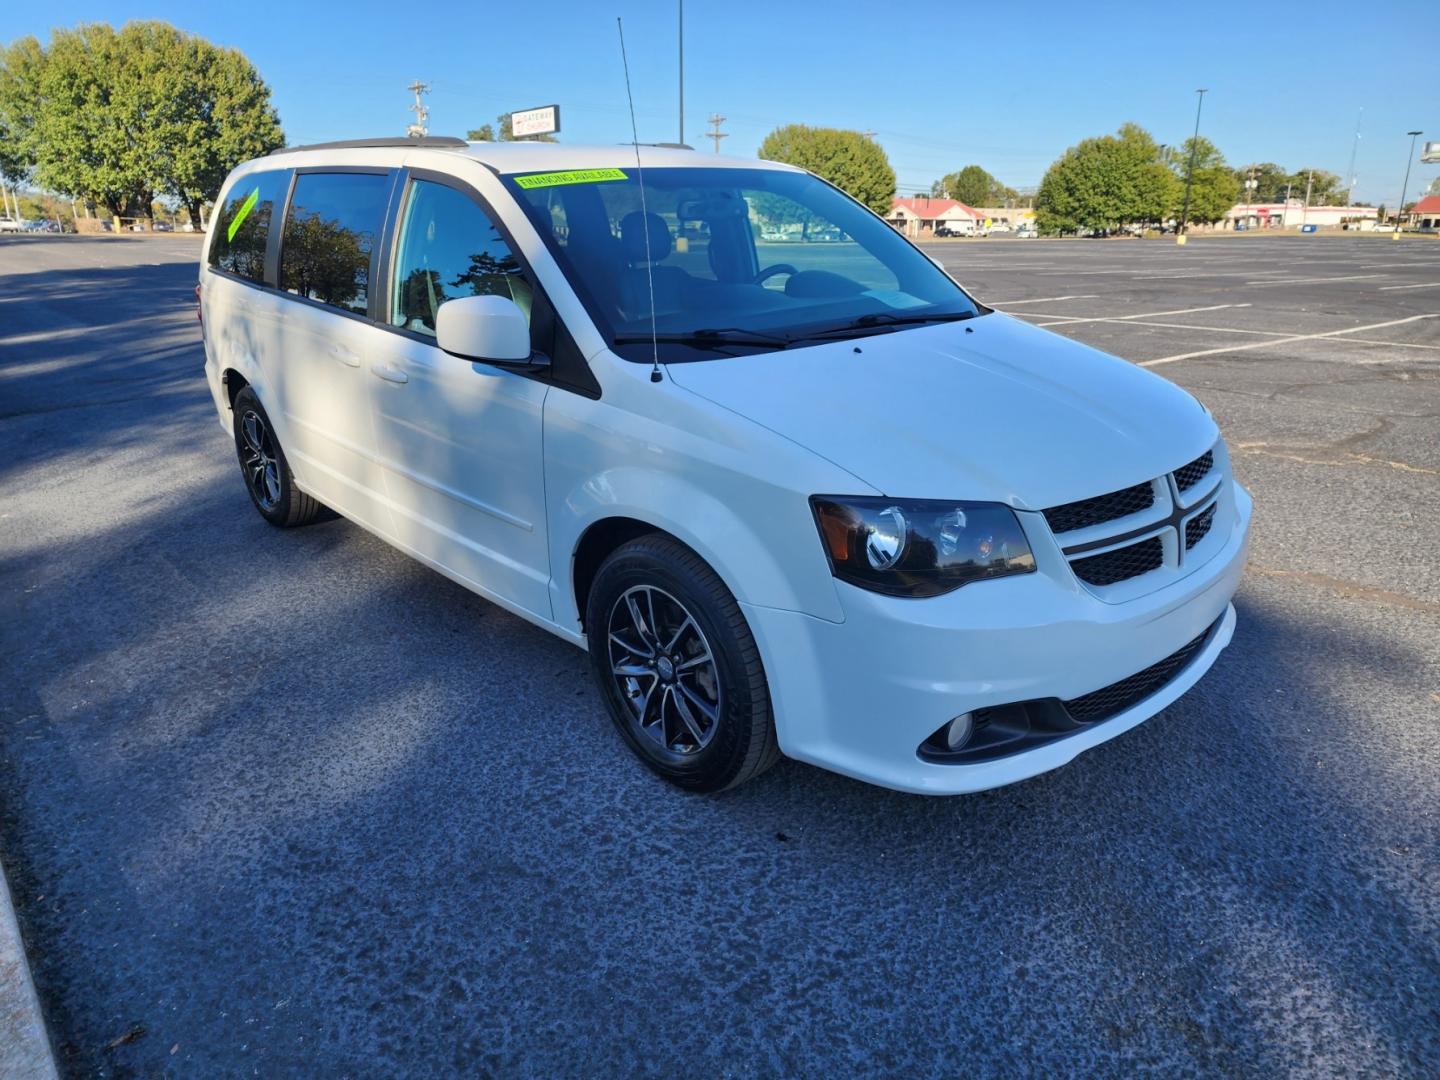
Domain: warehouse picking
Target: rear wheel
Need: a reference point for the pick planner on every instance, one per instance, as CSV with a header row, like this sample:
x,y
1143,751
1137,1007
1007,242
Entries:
x,y
267,474
678,667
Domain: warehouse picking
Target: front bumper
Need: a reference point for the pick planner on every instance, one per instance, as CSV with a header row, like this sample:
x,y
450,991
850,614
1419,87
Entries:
x,y
860,696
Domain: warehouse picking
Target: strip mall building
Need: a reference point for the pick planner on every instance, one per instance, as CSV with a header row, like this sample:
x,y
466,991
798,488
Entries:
x,y
1294,214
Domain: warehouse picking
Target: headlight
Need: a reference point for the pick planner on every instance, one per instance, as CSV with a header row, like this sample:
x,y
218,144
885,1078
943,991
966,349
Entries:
x,y
919,547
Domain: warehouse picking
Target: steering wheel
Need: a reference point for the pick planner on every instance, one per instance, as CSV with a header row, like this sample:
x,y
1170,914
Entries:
x,y
770,271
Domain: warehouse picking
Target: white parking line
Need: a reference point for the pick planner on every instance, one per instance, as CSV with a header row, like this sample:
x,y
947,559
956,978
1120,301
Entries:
x,y
1041,300
1422,285
1068,319
1315,280
1210,329
1394,344
1283,341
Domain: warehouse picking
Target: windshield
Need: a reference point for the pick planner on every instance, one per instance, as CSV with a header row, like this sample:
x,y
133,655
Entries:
x,y
740,259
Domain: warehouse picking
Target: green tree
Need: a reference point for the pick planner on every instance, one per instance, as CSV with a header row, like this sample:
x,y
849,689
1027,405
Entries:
x,y
973,186
119,117
1269,181
1324,187
20,69
220,115
1104,182
847,159
1214,190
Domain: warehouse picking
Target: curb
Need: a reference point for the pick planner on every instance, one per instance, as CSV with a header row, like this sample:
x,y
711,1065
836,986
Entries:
x,y
25,1052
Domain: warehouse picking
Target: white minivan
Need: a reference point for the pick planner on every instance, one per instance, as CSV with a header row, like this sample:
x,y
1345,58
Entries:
x,y
799,495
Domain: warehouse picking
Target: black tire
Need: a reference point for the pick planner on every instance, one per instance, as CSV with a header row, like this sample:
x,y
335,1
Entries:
x,y
739,742
263,466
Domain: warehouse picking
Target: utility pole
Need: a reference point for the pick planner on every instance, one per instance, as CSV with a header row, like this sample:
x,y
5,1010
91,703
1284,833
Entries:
x,y
1400,213
1190,173
682,72
715,121
1305,210
419,129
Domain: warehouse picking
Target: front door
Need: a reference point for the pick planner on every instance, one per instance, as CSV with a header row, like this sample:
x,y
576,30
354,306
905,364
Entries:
x,y
460,442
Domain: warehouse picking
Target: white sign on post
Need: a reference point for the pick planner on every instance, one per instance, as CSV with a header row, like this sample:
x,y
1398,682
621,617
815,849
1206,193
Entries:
x,y
542,121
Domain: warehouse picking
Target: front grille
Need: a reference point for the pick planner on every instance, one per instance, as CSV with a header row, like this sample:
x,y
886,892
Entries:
x,y
1117,697
1100,508
1187,476
1198,526
1122,563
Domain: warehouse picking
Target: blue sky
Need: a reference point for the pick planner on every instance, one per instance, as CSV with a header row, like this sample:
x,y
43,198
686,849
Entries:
x,y
942,87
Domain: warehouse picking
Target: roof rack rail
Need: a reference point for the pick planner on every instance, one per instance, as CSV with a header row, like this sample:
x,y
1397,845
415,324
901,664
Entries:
x,y
432,141
662,145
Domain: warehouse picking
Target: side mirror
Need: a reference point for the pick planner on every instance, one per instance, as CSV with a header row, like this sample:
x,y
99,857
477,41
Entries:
x,y
488,329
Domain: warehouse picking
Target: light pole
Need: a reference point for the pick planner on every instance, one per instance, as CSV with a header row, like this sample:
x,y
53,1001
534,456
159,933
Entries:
x,y
1190,172
1400,213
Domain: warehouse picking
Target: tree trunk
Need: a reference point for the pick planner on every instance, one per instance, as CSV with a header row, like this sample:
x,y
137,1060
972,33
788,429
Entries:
x,y
192,206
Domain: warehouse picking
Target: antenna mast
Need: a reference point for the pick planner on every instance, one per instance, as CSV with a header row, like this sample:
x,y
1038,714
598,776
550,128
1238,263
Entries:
x,y
419,129
644,210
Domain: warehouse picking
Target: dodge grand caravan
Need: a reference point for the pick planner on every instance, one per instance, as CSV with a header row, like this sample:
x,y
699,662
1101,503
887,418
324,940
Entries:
x,y
710,419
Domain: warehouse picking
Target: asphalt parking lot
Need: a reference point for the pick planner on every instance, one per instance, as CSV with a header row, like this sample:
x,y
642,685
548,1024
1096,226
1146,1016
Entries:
x,y
286,803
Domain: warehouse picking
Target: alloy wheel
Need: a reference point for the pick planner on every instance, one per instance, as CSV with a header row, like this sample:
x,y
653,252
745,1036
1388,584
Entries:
x,y
258,460
664,669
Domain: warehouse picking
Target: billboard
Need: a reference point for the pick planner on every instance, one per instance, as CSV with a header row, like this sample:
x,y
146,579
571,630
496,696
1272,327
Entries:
x,y
1431,154
542,121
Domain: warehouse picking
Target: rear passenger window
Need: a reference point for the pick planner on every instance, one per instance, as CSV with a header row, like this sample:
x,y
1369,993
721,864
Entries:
x,y
240,230
330,230
449,247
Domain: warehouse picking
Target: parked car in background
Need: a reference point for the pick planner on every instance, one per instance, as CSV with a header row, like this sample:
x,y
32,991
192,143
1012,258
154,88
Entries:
x,y
828,505
8,224
1026,231
1000,227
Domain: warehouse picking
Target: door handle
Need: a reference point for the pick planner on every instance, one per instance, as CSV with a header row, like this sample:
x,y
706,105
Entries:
x,y
389,374
345,356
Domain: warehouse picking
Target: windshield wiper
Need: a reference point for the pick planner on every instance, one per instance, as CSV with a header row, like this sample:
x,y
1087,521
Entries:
x,y
883,319
709,338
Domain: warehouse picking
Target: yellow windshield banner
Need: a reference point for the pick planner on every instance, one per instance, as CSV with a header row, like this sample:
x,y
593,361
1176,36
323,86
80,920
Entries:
x,y
241,215
574,176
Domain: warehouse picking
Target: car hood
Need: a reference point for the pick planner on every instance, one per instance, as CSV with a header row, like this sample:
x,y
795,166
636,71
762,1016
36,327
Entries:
x,y
988,409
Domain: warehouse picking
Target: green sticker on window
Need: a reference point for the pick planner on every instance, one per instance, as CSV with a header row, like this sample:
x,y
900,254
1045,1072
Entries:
x,y
241,215
574,176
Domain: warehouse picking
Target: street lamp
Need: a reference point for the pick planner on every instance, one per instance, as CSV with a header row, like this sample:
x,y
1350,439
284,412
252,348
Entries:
x,y
1400,214
1190,172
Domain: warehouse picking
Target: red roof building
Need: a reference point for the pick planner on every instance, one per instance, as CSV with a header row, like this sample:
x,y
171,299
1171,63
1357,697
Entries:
x,y
1425,214
922,215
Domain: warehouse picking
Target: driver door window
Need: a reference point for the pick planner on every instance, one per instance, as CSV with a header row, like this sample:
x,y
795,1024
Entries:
x,y
449,247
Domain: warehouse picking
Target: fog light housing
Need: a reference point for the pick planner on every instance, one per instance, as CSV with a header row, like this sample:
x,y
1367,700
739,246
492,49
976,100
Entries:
x,y
957,733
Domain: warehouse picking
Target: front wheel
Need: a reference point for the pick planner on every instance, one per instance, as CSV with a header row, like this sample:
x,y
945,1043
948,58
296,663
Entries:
x,y
678,668
267,474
